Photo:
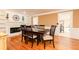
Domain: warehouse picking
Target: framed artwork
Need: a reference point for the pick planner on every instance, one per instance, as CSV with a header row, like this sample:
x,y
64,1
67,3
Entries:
x,y
22,18
15,17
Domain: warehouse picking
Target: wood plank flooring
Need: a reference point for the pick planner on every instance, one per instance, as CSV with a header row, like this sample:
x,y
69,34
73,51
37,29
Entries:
x,y
61,43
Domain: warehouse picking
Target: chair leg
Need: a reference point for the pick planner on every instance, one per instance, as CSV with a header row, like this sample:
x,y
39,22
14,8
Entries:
x,y
32,43
26,40
37,42
44,44
53,43
22,39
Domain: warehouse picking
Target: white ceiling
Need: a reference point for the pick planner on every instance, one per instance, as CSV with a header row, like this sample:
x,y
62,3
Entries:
x,y
33,11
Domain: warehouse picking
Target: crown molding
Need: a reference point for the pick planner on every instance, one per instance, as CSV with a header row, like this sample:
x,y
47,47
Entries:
x,y
59,11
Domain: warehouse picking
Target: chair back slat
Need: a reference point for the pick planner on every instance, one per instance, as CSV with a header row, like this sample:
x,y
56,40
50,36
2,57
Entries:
x,y
52,30
28,28
23,27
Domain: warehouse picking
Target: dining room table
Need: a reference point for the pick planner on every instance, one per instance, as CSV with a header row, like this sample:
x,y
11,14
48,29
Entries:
x,y
39,33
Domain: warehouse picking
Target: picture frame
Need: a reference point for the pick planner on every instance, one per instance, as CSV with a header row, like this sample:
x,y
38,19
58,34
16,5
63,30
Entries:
x,y
15,17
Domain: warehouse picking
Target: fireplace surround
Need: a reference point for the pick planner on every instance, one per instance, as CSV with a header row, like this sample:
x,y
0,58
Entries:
x,y
14,29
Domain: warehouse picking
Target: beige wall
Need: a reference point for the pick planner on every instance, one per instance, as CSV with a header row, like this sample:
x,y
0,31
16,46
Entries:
x,y
76,18
48,20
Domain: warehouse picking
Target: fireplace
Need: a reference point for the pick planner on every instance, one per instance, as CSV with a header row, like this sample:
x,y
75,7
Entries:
x,y
14,29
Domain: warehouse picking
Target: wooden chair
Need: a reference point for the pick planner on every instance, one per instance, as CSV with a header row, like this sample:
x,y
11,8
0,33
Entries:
x,y
23,28
49,36
42,26
29,36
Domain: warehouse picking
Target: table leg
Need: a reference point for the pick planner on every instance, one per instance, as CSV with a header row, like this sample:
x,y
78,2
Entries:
x,y
39,38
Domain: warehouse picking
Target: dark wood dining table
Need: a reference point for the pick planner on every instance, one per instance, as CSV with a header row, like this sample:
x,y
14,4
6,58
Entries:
x,y
38,33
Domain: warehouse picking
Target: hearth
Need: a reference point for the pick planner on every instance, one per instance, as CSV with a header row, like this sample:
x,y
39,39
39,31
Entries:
x,y
14,29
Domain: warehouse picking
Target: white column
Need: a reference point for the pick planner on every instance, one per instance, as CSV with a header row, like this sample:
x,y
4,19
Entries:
x,y
35,20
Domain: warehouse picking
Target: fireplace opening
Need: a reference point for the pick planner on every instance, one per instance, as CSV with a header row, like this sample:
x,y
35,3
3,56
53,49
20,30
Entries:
x,y
14,29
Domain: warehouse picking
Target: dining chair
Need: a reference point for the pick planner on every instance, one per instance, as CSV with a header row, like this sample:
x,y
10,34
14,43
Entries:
x,y
34,27
49,36
37,29
29,36
42,26
23,28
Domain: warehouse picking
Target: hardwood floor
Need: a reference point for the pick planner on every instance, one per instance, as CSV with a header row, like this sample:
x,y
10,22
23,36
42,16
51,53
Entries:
x,y
61,43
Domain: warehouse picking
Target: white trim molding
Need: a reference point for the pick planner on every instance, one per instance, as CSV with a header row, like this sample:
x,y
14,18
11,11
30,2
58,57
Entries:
x,y
57,11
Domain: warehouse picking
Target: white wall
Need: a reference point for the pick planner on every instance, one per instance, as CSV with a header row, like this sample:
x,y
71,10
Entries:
x,y
28,20
74,33
5,24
